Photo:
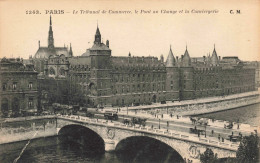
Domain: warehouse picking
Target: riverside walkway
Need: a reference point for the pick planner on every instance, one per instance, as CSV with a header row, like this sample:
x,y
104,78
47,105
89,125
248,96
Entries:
x,y
200,106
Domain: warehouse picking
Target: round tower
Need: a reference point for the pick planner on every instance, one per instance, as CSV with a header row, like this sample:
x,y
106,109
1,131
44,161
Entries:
x,y
172,78
186,77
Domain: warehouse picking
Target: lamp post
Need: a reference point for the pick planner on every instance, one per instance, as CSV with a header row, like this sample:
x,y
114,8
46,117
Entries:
x,y
159,124
205,130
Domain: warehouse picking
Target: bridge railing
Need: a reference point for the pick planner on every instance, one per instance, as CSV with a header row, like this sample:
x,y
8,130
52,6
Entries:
x,y
163,132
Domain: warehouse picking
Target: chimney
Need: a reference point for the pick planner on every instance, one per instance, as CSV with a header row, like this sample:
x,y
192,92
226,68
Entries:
x,y
162,59
107,43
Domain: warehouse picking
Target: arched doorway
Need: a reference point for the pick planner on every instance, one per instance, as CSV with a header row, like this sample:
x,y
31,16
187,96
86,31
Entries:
x,y
4,107
154,98
146,149
15,107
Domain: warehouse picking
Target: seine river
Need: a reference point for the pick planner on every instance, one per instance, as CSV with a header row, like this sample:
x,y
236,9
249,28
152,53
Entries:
x,y
55,149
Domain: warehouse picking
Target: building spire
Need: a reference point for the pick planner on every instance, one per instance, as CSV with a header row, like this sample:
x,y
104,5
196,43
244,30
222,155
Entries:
x,y
97,36
50,20
70,52
50,37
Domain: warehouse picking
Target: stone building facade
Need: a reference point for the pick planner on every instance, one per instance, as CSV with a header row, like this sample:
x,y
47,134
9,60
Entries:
x,y
18,87
101,79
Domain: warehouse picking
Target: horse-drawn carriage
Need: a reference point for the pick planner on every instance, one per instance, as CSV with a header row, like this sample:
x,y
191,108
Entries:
x,y
134,121
199,121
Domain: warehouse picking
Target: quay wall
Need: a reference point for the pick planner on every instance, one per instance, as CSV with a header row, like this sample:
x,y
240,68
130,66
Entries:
x,y
202,106
20,129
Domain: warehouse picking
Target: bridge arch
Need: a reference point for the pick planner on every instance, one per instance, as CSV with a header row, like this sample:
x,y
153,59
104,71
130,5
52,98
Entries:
x,y
148,144
83,136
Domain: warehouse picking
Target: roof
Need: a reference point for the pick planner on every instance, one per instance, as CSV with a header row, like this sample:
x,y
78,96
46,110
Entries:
x,y
80,61
186,61
45,52
86,54
99,47
135,61
214,58
170,62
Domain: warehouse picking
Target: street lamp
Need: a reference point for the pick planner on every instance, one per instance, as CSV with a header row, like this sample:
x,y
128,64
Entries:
x,y
159,124
205,130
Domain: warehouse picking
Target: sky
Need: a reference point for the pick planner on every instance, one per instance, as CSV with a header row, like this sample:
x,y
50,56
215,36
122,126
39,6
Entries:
x,y
141,34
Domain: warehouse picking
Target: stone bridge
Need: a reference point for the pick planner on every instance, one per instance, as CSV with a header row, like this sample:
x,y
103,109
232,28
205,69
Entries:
x,y
187,145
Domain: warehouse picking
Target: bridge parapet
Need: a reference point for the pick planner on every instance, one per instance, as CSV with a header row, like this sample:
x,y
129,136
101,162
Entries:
x,y
158,132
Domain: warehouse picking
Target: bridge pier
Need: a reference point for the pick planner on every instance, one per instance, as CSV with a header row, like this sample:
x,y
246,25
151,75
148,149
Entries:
x,y
110,145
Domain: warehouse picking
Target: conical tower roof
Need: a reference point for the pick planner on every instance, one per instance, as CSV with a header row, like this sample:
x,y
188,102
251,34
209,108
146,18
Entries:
x,y
214,57
170,62
186,61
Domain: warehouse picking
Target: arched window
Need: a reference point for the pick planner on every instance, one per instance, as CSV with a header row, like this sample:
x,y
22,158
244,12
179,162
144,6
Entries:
x,y
52,71
62,71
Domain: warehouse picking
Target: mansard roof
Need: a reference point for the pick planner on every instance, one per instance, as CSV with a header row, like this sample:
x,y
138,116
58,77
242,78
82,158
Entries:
x,y
99,47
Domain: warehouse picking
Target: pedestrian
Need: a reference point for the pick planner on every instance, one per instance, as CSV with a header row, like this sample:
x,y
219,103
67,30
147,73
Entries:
x,y
177,117
171,115
162,115
195,128
219,137
212,132
230,138
222,139
167,123
237,126
152,126
232,133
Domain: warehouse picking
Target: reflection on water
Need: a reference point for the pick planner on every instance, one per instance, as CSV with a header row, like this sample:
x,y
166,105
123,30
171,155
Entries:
x,y
51,149
247,114
54,149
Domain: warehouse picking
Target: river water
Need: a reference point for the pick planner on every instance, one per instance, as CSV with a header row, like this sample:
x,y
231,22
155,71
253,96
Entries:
x,y
247,114
53,149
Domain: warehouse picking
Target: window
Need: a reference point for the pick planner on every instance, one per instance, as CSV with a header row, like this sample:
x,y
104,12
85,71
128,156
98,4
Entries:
x,y
30,102
4,86
52,72
14,86
30,85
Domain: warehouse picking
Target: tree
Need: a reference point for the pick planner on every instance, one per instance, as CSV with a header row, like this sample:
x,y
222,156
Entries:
x,y
248,150
208,156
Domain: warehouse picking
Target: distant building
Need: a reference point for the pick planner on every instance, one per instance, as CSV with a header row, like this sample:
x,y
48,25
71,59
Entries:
x,y
18,88
96,78
43,53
